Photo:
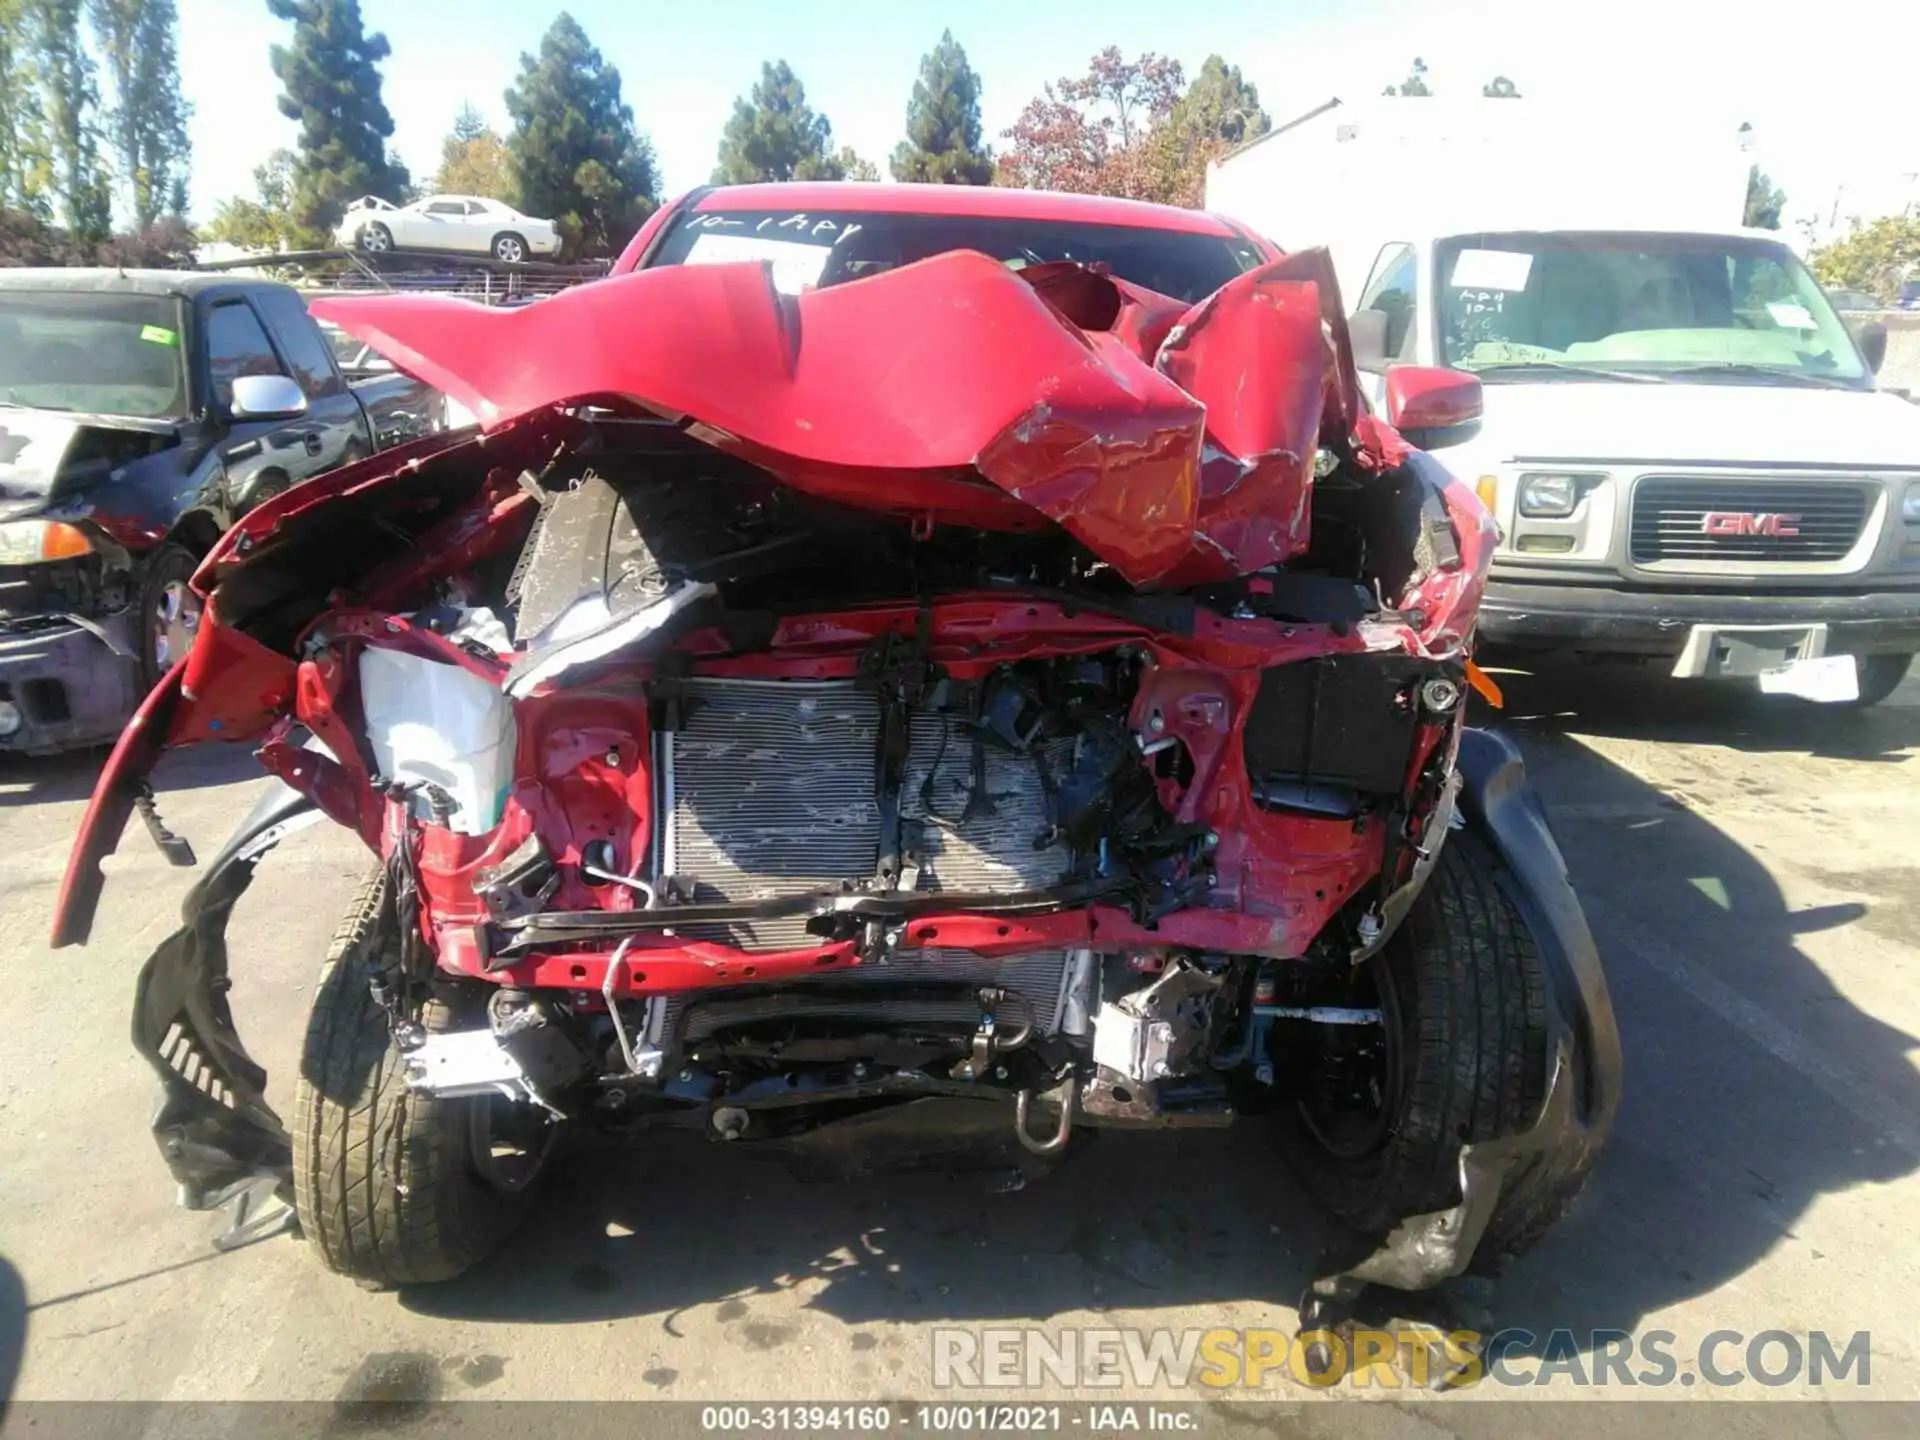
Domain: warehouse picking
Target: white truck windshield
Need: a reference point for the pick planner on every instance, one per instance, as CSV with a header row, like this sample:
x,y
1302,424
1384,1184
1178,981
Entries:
x,y
1647,304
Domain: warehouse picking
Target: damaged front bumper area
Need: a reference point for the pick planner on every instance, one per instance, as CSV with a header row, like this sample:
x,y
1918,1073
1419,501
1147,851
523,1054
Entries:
x,y
68,675
1157,1058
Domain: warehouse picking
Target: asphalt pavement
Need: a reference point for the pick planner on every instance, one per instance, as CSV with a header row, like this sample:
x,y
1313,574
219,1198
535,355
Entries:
x,y
1750,870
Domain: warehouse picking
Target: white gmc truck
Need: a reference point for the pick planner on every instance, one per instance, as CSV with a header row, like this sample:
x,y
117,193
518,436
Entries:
x,y
1684,446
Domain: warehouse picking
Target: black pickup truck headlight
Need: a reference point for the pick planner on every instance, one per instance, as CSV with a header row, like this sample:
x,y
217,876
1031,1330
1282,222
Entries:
x,y
29,542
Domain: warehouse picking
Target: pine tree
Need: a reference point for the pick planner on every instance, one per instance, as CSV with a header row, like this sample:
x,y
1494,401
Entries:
x,y
943,144
469,124
1765,201
400,179
147,125
1220,106
577,157
773,134
1218,111
474,160
330,79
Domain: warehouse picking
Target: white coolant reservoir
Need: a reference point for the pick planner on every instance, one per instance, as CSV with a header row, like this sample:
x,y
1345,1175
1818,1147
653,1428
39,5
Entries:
x,y
438,724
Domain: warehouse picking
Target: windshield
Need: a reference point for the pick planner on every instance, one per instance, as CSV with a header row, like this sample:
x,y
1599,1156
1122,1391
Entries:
x,y
1641,303
824,248
92,351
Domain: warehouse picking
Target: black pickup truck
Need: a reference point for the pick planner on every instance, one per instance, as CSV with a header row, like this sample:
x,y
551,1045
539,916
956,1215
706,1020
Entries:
x,y
141,414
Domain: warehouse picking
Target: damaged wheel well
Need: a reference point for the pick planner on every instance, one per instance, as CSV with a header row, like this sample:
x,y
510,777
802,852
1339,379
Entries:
x,y
197,531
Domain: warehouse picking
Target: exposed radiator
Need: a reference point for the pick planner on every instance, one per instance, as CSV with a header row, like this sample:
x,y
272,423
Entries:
x,y
769,789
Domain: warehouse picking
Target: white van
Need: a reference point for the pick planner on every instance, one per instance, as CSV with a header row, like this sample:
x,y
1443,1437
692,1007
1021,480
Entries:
x,y
1683,444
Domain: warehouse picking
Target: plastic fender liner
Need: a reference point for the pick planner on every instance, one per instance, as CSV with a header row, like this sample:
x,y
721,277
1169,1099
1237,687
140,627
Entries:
x,y
214,1126
1582,1092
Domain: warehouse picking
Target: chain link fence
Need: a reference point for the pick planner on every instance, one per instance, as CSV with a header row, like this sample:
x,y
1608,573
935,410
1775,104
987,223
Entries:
x,y
477,278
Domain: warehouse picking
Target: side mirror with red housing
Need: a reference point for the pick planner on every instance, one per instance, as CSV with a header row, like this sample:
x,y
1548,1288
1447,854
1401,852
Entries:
x,y
1433,407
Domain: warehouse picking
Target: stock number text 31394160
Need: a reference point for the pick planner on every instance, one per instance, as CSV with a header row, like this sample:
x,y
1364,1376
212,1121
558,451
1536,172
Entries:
x,y
783,1419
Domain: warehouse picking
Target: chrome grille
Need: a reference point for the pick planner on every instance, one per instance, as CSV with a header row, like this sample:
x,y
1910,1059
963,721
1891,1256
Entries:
x,y
769,790
1670,519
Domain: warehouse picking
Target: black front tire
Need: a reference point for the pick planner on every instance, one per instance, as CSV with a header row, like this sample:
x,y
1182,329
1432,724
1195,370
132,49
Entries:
x,y
1880,676
386,1181
1464,1059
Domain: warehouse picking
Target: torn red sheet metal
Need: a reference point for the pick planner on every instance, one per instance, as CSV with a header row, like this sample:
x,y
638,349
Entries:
x,y
1178,448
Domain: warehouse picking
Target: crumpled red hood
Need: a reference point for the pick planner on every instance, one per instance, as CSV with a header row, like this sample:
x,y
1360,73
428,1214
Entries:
x,y
1176,442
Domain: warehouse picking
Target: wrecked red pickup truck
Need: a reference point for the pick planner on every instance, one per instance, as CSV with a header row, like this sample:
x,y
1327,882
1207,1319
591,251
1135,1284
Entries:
x,y
967,646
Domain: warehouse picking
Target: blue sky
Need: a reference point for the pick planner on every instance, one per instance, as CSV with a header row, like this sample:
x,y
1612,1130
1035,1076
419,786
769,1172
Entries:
x,y
1805,76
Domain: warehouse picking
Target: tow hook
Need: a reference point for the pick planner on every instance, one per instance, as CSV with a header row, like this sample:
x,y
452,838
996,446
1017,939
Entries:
x,y
988,1038
1064,1095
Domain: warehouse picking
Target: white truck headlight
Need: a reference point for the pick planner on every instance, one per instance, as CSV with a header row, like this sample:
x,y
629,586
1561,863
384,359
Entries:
x,y
1548,497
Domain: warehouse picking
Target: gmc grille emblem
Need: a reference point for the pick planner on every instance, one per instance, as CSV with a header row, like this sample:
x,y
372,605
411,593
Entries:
x,y
1742,522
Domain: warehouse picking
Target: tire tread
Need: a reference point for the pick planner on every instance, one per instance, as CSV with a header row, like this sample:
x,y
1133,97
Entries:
x,y
381,1181
1469,979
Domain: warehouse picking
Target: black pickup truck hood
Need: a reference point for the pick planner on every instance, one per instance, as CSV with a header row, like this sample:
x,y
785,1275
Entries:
x,y
61,463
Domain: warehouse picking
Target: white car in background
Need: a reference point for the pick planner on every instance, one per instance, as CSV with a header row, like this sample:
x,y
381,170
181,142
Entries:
x,y
469,224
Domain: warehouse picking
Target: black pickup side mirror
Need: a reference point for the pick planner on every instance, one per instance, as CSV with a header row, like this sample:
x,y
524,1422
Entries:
x,y
266,397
